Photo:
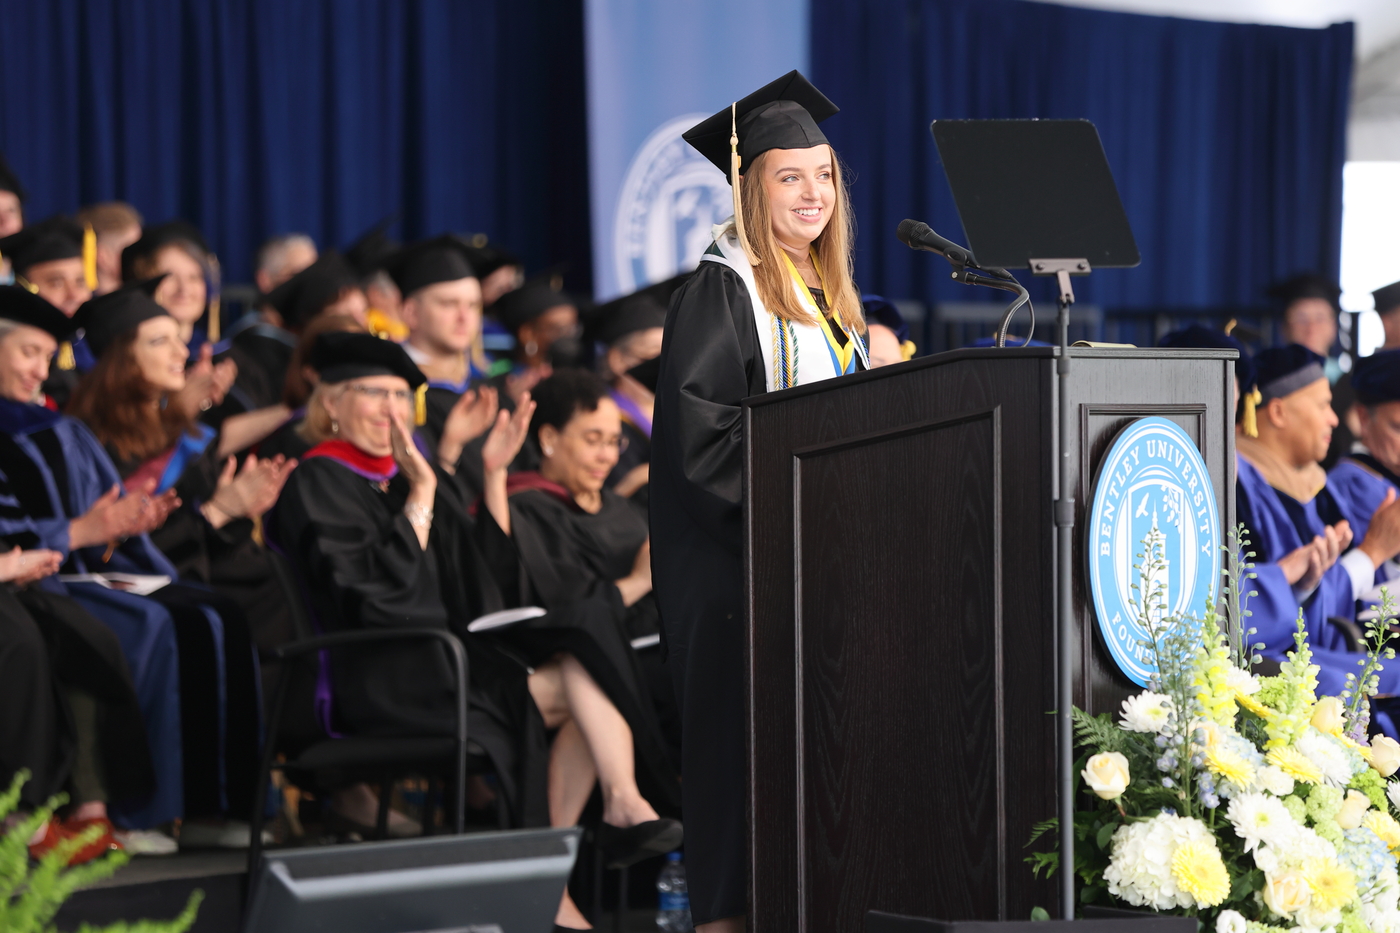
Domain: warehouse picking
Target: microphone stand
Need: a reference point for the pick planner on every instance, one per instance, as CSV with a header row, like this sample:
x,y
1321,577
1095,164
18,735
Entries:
x,y
1006,284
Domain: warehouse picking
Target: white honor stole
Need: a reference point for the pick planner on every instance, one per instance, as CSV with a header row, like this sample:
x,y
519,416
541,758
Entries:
x,y
793,353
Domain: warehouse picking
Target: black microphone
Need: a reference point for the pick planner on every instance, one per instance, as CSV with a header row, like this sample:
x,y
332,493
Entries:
x,y
916,234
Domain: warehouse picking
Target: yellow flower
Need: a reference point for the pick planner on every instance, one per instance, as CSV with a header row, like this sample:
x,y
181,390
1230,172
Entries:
x,y
1296,765
1331,885
1253,705
1328,716
1384,826
1230,766
1199,872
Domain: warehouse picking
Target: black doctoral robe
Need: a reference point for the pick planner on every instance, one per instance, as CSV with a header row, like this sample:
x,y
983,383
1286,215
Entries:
x,y
569,559
710,362
362,567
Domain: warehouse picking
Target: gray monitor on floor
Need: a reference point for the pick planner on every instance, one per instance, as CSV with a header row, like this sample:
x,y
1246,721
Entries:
x,y
507,882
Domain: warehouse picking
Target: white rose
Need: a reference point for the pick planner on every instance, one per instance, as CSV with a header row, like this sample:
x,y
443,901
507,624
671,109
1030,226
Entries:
x,y
1327,716
1107,775
1353,810
1385,755
1230,921
1286,892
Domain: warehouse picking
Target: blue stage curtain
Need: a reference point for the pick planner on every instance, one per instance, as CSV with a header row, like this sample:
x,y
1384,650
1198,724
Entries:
x,y
257,117
1227,140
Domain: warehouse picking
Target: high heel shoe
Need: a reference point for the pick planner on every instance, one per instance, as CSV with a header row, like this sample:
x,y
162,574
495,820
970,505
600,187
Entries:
x,y
623,847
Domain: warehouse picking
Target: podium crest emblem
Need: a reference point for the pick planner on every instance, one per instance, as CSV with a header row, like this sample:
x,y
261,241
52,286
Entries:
x,y
1153,481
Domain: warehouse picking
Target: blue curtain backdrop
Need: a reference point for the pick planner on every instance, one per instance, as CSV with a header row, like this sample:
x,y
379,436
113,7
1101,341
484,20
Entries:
x,y
1227,141
257,117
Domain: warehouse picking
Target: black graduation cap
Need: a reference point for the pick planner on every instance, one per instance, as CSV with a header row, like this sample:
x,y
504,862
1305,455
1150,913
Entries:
x,y
782,114
428,262
1284,370
487,258
1388,298
154,239
627,315
340,355
306,294
882,311
9,181
368,254
24,307
53,238
1304,285
1199,337
107,317
528,302
1376,378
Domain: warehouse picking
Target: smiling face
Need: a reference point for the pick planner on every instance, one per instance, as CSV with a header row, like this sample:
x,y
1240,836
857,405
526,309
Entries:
x,y
61,283
363,409
160,354
581,456
183,292
801,189
25,353
444,318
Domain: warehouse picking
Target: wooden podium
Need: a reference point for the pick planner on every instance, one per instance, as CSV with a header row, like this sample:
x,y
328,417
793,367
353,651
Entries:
x,y
900,571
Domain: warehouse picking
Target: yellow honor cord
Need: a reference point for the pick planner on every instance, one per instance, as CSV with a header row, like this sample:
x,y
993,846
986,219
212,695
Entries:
x,y
1250,420
843,354
89,256
420,405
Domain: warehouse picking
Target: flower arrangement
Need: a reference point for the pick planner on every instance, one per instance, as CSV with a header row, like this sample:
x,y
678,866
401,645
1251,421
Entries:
x,y
1243,800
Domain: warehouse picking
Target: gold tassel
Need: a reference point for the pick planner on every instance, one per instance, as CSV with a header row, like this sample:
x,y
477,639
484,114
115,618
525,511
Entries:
x,y
734,182
1230,326
420,405
89,256
1249,420
65,356
27,285
214,320
907,350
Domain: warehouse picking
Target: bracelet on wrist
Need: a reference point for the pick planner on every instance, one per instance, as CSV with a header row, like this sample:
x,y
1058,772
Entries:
x,y
419,516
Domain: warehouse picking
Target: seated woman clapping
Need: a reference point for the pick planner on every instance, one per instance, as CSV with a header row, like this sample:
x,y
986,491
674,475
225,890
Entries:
x,y
376,547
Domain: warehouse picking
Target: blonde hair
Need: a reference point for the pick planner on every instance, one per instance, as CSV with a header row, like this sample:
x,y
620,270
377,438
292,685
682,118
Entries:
x,y
834,249
316,426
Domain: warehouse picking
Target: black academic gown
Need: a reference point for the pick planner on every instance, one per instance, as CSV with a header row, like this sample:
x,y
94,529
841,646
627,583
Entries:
x,y
286,440
362,567
710,362
569,559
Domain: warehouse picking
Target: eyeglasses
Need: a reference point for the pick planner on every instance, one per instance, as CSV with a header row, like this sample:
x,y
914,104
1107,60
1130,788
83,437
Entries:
x,y
380,394
595,440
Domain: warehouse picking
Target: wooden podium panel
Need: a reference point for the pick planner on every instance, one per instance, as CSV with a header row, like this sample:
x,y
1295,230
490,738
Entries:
x,y
901,587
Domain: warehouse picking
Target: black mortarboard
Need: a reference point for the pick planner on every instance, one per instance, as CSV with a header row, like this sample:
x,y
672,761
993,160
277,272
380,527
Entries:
x,y
1305,285
780,115
154,239
339,356
1376,378
1388,298
24,307
306,294
428,262
1198,337
53,238
627,315
487,258
1284,370
109,316
882,311
528,302
368,254
9,181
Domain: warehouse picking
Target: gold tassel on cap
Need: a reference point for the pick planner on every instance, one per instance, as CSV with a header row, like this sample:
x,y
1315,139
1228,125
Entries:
x,y
89,256
1229,326
65,356
907,350
1249,420
734,182
420,405
27,285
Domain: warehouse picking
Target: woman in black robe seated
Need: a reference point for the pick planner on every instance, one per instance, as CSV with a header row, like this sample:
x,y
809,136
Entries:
x,y
376,546
290,440
584,556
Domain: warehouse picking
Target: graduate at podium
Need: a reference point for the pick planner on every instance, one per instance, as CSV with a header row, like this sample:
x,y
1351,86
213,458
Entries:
x,y
772,305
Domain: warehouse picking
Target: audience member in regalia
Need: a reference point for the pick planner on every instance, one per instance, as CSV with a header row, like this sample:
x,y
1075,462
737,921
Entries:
x,y
631,327
887,333
189,649
293,438
327,286
376,546
539,316
772,305
116,225
11,210
1387,305
124,400
1307,306
367,256
281,257
442,310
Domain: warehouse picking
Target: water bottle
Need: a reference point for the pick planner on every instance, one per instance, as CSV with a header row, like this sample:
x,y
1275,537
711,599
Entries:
x,y
673,912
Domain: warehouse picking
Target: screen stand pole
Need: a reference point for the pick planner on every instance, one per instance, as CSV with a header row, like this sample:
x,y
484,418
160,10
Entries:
x,y
1062,269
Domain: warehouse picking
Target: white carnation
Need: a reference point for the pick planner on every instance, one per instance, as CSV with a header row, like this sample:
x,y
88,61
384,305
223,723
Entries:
x,y
1243,681
1260,819
1275,780
1139,869
1329,756
1230,921
1392,790
1146,712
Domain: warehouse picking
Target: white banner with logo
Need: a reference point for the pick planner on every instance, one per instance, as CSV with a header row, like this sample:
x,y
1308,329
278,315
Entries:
x,y
656,68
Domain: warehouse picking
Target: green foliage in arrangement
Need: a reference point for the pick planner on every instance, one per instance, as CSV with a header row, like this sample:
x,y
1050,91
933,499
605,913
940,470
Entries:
x,y
30,897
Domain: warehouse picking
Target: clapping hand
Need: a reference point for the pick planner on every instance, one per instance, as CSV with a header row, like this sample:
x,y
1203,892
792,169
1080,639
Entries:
x,y
415,469
248,492
114,516
24,567
469,418
507,436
